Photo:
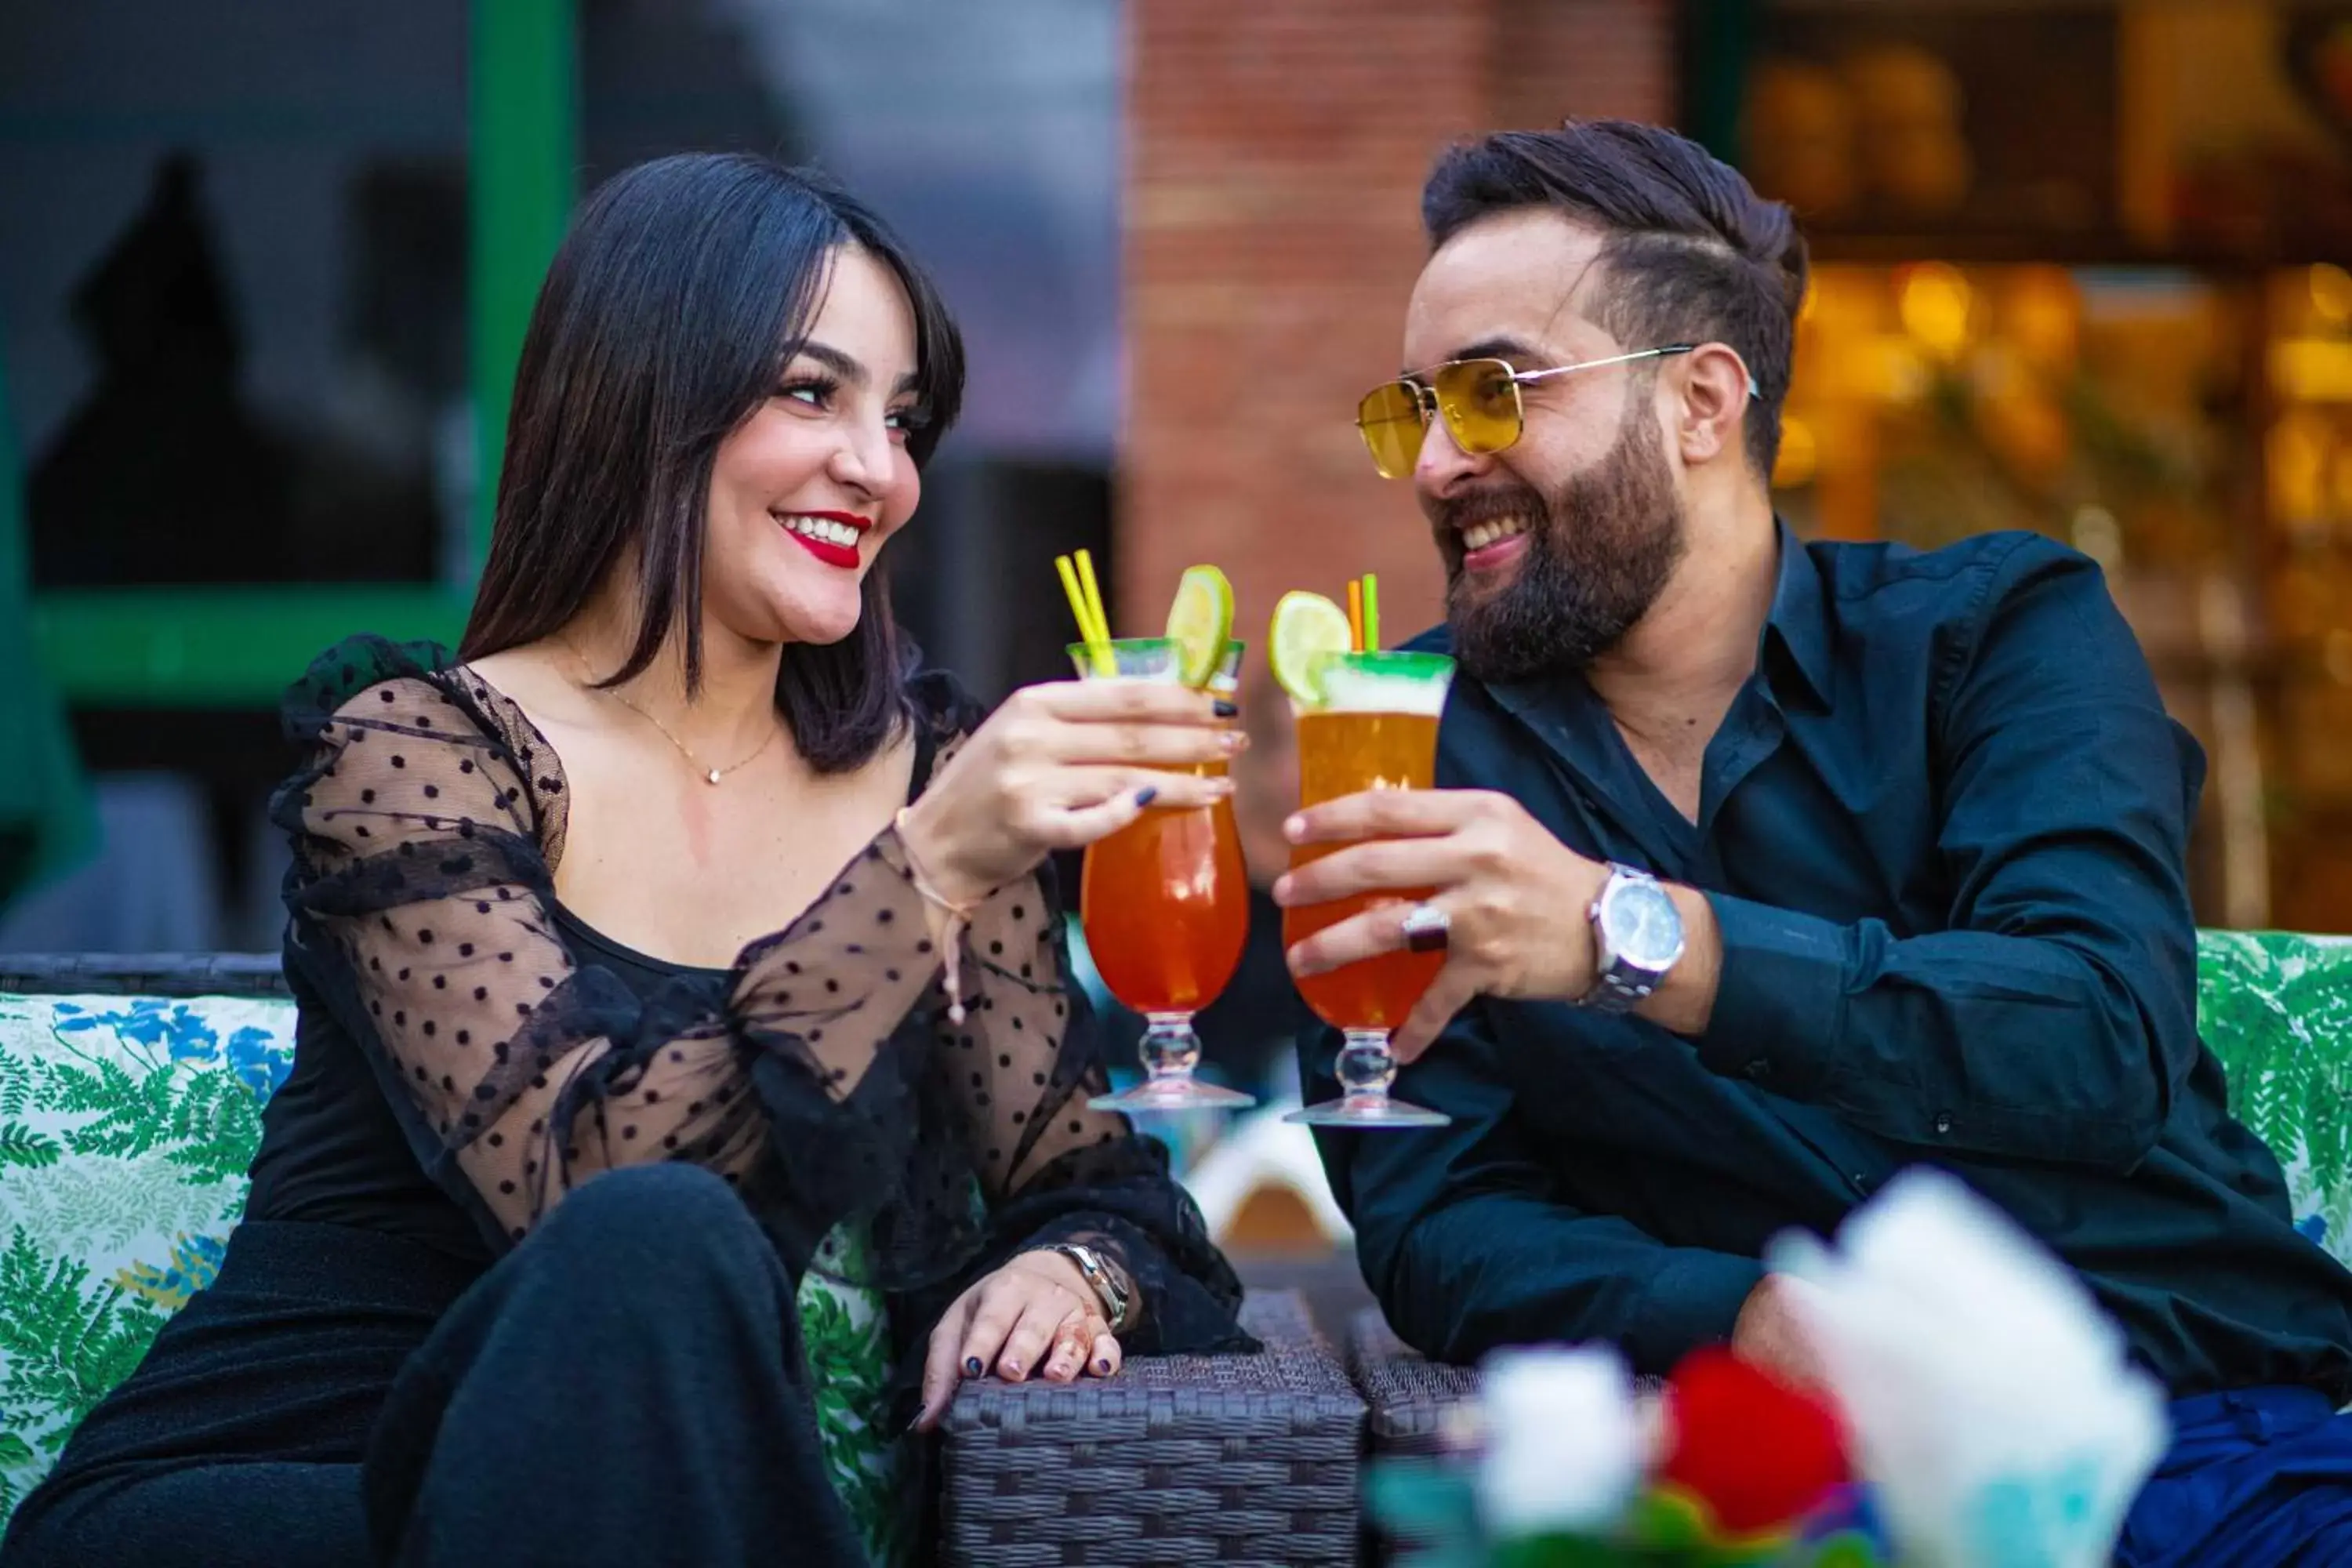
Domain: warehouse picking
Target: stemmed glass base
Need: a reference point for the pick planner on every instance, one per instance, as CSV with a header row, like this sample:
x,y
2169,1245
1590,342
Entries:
x,y
1366,1068
1171,1051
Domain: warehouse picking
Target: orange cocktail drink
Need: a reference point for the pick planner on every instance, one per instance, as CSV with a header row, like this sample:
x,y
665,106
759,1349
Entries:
x,y
1375,729
1341,754
1164,902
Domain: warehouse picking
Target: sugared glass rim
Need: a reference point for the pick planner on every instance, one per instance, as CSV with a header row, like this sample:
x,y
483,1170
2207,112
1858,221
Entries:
x,y
1234,645
1401,664
1382,682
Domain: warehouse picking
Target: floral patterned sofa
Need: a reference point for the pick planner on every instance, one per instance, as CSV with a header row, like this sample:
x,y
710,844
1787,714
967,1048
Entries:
x,y
126,1123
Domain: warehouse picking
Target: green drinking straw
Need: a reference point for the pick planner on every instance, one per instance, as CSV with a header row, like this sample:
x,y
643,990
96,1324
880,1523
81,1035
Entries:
x,y
1371,614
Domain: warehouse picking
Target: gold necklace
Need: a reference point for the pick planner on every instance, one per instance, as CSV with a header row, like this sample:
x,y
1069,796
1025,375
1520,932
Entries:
x,y
710,775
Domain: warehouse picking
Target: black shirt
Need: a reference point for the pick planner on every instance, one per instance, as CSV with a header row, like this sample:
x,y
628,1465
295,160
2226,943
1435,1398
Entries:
x,y
1943,829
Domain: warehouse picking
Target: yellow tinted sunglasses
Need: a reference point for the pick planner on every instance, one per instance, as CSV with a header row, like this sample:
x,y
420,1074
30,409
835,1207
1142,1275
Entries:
x,y
1478,397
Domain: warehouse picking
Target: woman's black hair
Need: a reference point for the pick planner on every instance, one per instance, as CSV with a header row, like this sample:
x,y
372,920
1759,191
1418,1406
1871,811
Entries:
x,y
683,289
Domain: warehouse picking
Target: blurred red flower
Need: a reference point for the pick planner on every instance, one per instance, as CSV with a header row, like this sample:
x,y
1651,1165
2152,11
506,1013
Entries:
x,y
1759,1451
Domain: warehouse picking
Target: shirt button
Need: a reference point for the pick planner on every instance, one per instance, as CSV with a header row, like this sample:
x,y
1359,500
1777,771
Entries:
x,y
1943,1121
1757,1071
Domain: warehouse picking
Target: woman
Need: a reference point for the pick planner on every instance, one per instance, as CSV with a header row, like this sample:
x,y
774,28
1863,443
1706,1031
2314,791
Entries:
x,y
682,985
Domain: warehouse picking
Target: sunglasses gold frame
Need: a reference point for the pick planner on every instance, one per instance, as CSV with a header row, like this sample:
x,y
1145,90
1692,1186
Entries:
x,y
1476,434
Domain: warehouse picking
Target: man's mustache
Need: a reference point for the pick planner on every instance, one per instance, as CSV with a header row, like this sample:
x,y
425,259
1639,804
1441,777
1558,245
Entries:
x,y
1458,514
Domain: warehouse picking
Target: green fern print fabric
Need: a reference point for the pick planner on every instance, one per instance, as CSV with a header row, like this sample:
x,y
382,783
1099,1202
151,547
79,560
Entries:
x,y
845,1334
126,1126
2276,1008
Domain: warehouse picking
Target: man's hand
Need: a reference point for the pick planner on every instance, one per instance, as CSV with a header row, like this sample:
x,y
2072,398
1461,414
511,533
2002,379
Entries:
x,y
1518,901
1518,904
1771,1331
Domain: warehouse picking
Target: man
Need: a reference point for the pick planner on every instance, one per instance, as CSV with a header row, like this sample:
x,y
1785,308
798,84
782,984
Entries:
x,y
1886,850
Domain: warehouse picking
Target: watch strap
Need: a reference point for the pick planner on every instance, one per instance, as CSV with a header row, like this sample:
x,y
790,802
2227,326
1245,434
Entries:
x,y
1619,985
1620,988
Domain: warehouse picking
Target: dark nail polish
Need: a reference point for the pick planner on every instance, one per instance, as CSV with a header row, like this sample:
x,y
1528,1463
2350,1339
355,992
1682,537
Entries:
x,y
1103,1366
972,1367
1146,794
1224,709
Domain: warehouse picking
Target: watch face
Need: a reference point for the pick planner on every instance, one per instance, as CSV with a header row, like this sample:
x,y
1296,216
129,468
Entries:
x,y
1642,925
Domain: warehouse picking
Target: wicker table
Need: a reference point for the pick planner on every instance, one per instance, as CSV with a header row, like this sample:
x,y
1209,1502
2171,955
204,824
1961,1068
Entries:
x,y
1410,1399
1235,1460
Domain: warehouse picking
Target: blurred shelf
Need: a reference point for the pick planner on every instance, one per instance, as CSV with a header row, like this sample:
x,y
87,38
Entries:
x,y
229,646
2095,250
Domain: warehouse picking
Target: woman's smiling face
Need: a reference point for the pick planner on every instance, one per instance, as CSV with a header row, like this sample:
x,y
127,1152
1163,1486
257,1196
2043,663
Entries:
x,y
807,489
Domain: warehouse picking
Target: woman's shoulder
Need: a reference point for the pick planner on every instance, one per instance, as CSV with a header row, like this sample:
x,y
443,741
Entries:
x,y
413,689
377,719
358,670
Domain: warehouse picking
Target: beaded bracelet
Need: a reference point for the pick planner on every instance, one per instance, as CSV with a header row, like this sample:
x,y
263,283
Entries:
x,y
959,919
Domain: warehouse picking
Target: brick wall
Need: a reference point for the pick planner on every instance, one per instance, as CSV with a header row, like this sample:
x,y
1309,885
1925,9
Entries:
x,y
1276,154
1596,59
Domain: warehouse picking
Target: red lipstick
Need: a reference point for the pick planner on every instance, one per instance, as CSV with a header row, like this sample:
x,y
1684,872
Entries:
x,y
842,555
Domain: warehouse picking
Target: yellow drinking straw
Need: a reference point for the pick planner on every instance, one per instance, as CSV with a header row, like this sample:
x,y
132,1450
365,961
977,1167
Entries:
x,y
1104,664
1094,596
1371,614
1078,599
1091,630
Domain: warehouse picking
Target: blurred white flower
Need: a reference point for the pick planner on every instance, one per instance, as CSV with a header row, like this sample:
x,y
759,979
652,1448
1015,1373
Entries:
x,y
1991,1401
1564,1440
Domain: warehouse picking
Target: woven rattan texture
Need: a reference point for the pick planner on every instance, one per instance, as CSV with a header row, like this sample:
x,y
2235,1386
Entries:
x,y
1409,1397
1236,1459
141,974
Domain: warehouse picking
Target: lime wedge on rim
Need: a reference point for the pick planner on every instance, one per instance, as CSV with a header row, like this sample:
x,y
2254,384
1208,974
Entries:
x,y
1201,623
1308,631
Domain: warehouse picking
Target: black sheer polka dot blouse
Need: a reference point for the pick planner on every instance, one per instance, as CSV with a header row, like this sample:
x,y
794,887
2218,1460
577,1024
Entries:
x,y
465,1059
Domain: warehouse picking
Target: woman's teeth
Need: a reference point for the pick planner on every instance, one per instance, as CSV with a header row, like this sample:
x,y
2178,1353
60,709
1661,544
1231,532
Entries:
x,y
1483,534
823,530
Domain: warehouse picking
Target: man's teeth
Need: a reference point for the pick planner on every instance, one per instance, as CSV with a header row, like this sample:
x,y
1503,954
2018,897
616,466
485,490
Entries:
x,y
823,530
1480,535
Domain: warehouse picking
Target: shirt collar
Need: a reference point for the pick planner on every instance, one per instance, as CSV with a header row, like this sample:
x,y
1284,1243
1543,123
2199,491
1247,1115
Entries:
x,y
1799,620
1799,623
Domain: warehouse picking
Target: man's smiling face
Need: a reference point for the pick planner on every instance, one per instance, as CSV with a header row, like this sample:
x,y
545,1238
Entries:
x,y
1556,546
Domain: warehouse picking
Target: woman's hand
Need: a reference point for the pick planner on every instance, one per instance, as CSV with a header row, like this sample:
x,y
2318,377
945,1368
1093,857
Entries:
x,y
1035,1316
1059,766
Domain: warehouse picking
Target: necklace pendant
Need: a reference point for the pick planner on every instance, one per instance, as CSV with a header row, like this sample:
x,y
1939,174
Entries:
x,y
712,776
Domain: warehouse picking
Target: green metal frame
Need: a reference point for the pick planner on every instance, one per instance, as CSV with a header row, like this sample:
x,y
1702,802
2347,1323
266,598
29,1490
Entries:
x,y
526,138
218,648
1718,37
240,647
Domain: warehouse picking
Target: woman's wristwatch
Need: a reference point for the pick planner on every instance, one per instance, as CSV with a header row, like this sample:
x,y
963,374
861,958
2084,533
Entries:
x,y
1107,1286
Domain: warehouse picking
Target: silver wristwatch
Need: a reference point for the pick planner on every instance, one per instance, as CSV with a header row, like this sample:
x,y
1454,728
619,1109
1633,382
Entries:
x,y
1116,1301
1637,937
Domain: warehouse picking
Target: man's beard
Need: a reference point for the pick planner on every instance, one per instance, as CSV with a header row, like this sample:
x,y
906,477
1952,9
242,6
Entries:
x,y
1597,554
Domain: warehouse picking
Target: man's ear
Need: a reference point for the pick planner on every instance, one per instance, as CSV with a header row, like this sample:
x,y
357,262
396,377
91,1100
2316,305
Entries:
x,y
1715,389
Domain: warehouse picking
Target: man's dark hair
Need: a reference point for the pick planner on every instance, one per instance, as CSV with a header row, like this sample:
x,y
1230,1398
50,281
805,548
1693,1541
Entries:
x,y
1691,253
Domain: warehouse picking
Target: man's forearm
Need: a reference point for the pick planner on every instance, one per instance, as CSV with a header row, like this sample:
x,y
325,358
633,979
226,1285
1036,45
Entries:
x,y
1546,1272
